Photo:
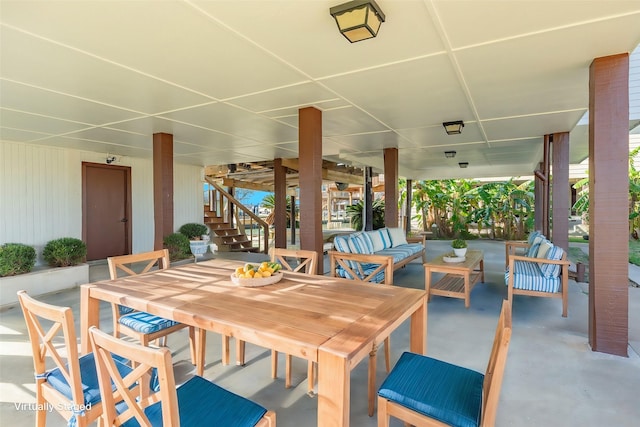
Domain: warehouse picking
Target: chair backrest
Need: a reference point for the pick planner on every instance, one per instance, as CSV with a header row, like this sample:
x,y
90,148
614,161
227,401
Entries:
x,y
127,388
144,262
43,345
495,368
307,260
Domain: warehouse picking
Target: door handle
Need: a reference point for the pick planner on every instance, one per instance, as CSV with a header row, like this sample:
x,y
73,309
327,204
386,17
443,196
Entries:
x,y
124,220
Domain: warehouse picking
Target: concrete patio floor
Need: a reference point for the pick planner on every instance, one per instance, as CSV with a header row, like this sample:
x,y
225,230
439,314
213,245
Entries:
x,y
552,377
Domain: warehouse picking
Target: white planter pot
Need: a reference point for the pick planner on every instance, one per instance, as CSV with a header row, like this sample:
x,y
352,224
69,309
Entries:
x,y
199,247
42,281
460,252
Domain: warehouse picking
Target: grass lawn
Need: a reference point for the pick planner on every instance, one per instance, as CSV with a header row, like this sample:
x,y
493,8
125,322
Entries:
x,y
577,255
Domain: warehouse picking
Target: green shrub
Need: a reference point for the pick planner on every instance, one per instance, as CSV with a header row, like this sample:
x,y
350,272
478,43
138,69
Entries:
x,y
178,246
459,244
65,252
193,231
16,258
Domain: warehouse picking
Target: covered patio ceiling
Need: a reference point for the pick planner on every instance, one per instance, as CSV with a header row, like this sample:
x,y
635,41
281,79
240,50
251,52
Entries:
x,y
227,79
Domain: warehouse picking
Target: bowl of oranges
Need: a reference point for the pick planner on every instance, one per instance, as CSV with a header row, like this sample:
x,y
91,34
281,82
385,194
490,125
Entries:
x,y
253,275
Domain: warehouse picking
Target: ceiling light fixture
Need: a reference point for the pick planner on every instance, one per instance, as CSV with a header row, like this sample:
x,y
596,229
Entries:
x,y
463,165
450,154
453,128
358,20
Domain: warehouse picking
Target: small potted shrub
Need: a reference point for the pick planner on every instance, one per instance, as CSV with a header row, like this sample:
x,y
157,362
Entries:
x,y
459,247
198,235
178,246
16,258
65,252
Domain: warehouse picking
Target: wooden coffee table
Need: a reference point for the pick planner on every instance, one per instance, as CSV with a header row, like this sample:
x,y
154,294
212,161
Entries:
x,y
459,279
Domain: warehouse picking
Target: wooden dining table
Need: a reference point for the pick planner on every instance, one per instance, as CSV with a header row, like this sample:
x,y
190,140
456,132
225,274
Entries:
x,y
334,322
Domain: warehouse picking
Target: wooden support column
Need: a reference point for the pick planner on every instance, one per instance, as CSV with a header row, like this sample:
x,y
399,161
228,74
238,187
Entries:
x,y
162,187
367,205
609,204
546,170
310,152
560,190
407,225
292,215
280,189
538,186
391,187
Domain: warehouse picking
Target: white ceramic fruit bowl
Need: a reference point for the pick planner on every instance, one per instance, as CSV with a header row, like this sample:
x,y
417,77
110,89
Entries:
x,y
253,283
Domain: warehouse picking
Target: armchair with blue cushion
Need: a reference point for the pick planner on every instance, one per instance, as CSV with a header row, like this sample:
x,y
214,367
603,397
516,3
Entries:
x,y
65,381
543,272
424,391
146,327
197,402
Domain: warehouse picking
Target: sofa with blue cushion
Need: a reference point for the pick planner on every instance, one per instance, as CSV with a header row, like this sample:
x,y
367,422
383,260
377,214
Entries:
x,y
373,256
542,271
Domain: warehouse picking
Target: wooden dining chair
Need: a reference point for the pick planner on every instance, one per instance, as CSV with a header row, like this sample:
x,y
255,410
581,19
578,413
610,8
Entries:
x,y
70,384
423,391
146,327
148,395
298,261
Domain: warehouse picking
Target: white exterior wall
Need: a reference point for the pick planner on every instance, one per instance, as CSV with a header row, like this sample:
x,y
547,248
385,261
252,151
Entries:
x,y
41,195
634,85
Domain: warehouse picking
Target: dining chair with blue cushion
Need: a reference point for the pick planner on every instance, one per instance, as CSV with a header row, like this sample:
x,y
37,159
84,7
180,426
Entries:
x,y
424,391
65,381
197,402
146,327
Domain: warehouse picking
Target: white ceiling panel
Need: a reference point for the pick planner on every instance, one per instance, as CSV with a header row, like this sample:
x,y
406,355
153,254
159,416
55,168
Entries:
x,y
407,94
227,78
235,121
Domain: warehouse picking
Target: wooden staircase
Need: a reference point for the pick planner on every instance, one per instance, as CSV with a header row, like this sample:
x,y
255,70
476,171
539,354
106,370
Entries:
x,y
234,227
226,236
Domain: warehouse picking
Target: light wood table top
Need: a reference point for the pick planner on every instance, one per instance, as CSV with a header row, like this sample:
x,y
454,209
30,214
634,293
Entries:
x,y
334,322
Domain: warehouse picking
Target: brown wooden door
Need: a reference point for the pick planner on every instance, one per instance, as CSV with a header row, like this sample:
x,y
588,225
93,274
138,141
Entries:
x,y
106,210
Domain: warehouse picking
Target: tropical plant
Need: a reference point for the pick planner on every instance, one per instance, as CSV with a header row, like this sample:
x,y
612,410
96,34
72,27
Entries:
x,y
178,246
64,252
355,213
194,231
16,258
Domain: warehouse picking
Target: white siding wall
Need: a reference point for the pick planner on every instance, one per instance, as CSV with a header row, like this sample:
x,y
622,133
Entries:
x,y
41,195
634,85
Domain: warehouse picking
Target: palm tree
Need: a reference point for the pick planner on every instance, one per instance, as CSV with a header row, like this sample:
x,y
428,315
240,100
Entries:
x,y
355,213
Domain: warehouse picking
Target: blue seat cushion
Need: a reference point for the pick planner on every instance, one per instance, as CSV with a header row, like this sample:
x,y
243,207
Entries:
x,y
146,323
366,270
440,390
124,310
527,276
202,403
89,375
401,252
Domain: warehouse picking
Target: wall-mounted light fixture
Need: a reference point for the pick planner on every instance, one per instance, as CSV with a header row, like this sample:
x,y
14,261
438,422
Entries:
x,y
450,154
110,159
358,20
341,186
453,128
463,165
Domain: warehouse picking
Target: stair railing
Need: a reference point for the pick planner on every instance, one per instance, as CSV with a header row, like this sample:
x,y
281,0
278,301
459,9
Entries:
x,y
229,208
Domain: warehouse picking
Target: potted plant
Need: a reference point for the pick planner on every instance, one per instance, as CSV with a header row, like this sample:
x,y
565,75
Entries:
x,y
459,247
198,235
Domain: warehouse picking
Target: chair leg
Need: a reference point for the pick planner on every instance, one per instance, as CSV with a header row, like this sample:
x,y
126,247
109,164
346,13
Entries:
x,y
274,364
287,371
41,413
193,345
383,417
240,352
387,354
371,382
201,345
225,350
311,380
